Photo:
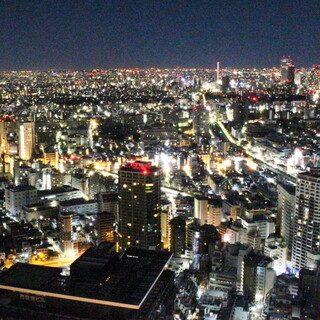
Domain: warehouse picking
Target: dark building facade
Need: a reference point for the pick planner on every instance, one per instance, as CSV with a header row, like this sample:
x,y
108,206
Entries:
x,y
309,293
102,284
287,70
258,277
177,236
208,234
105,224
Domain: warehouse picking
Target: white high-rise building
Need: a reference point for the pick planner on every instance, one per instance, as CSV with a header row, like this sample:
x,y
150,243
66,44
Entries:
x,y
46,180
306,218
27,140
201,210
276,249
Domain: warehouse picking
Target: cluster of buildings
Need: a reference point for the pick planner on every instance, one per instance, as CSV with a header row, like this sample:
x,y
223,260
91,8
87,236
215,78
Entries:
x,y
160,194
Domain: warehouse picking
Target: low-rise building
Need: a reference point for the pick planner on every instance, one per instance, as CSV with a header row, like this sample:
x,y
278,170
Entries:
x,y
79,206
17,197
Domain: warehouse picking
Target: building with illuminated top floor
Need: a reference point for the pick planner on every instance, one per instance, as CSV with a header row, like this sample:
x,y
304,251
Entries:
x,y
139,206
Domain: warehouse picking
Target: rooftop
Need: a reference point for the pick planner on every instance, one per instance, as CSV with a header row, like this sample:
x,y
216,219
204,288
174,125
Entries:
x,y
139,166
76,201
99,276
38,207
291,189
314,174
21,188
57,190
39,277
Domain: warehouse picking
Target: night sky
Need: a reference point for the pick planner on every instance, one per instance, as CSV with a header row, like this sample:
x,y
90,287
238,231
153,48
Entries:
x,y
46,34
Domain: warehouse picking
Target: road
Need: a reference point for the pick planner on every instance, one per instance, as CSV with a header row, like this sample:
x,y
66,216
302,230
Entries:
x,y
56,262
261,162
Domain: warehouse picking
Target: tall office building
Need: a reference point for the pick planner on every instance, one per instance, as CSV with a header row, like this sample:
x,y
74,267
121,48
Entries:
x,y
240,111
215,212
287,70
192,236
177,236
4,145
309,289
258,276
286,199
26,140
201,209
201,120
165,237
139,192
225,86
306,218
65,226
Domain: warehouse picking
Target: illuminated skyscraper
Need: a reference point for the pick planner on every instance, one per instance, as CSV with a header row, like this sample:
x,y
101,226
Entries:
x,y
26,140
287,70
3,136
306,218
139,192
200,120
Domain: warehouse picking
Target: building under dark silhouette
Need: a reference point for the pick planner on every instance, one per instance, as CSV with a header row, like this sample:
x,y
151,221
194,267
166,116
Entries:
x,y
287,70
102,284
177,235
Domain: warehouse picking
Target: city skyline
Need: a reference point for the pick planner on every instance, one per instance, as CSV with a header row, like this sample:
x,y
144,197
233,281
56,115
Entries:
x,y
211,178
159,160
140,34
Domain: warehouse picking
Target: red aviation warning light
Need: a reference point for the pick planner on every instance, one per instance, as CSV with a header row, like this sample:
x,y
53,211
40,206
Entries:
x,y
253,98
144,167
73,157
